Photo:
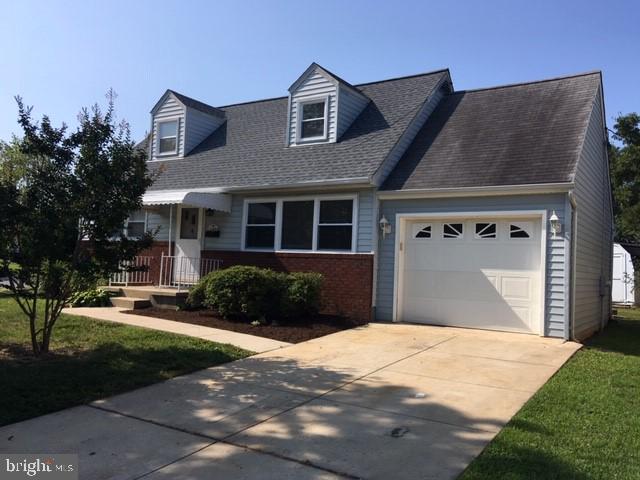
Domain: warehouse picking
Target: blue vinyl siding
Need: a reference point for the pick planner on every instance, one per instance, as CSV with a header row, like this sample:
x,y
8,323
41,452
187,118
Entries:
x,y
556,278
230,224
594,242
171,109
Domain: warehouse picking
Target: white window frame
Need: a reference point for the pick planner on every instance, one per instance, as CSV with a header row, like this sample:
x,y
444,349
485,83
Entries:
x,y
316,219
246,224
144,223
461,237
486,239
414,234
299,107
529,230
177,149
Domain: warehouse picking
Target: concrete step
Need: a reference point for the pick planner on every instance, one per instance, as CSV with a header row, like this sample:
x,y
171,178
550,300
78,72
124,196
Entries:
x,y
131,303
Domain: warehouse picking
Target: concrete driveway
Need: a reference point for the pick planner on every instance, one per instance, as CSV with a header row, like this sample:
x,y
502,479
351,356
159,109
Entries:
x,y
382,401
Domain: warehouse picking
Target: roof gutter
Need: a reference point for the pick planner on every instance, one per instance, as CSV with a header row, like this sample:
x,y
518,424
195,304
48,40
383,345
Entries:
x,y
357,182
537,188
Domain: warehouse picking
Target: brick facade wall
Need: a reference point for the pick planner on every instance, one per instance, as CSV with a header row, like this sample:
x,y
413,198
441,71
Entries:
x,y
348,278
155,251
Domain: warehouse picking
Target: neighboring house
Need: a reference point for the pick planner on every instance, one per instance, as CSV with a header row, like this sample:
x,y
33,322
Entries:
x,y
623,276
417,202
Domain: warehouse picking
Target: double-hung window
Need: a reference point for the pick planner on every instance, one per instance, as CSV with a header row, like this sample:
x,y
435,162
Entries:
x,y
313,122
261,225
335,225
135,229
297,225
311,224
168,137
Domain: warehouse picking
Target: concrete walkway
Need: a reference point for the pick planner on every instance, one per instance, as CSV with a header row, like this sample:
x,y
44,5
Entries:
x,y
378,402
242,340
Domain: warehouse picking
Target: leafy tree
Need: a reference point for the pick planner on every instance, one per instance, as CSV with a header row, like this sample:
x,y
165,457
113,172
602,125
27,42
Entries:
x,y
63,197
625,177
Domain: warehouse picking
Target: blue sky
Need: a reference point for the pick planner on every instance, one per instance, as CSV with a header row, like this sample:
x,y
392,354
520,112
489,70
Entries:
x,y
62,55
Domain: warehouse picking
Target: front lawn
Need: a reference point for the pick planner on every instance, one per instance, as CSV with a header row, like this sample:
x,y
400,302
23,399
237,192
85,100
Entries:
x,y
90,359
584,423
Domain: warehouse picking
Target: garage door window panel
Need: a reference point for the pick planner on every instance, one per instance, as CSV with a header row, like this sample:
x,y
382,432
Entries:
x,y
422,230
520,230
484,231
453,230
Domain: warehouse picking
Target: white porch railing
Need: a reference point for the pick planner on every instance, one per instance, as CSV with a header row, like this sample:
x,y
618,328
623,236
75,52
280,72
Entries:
x,y
136,271
179,271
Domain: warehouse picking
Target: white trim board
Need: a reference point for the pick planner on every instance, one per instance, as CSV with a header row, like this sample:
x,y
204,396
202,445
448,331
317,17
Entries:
x,y
476,191
354,197
402,219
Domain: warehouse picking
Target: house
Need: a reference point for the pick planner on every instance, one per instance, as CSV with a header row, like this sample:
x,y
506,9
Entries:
x,y
485,208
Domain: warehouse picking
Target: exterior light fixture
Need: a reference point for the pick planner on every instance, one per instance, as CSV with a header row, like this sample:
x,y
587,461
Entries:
x,y
554,222
385,226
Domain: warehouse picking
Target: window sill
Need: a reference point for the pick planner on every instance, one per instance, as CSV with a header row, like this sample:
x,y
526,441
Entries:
x,y
306,252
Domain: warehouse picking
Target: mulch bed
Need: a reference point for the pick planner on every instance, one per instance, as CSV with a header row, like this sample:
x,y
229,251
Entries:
x,y
292,331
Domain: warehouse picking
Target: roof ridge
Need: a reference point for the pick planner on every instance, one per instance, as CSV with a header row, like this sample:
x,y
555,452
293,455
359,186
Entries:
x,y
531,82
404,77
352,85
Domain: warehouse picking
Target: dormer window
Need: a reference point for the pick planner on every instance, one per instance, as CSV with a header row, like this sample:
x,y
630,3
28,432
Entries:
x,y
313,121
168,136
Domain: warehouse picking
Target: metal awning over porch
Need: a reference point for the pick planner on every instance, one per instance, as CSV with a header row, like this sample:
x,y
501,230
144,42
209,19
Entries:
x,y
215,201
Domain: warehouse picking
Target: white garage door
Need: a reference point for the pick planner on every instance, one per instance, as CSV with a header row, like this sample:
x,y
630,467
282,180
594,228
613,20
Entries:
x,y
479,273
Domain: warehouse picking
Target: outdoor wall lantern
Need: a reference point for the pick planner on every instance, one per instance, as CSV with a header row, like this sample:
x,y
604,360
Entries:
x,y
554,222
385,226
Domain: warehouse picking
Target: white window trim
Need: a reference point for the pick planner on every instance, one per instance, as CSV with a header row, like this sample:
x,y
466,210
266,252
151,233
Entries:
x,y
414,235
486,239
299,105
316,219
144,222
177,149
247,224
528,230
461,237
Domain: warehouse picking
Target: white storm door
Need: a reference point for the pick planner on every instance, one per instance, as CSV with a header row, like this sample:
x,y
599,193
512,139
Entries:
x,y
186,267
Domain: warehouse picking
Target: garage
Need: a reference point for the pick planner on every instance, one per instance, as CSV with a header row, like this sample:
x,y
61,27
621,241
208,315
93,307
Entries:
x,y
475,272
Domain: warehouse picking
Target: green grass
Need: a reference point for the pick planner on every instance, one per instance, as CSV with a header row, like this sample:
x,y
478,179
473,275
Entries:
x,y
584,423
90,359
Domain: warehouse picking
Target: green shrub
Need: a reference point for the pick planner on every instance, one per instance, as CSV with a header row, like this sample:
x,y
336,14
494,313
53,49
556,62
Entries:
x,y
302,295
93,297
257,294
244,291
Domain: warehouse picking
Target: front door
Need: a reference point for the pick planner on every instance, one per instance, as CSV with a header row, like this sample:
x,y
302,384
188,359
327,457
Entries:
x,y
186,269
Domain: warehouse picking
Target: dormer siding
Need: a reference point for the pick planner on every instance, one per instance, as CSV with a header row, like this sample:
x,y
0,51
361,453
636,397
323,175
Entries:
x,y
350,105
198,126
170,109
316,86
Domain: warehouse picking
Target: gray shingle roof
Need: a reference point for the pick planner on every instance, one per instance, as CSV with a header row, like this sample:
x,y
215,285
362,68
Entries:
x,y
512,135
249,148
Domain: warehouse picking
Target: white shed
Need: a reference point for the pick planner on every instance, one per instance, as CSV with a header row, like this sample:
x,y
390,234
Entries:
x,y
623,285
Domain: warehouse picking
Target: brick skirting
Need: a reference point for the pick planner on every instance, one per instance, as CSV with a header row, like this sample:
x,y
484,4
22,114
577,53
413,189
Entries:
x,y
155,251
348,278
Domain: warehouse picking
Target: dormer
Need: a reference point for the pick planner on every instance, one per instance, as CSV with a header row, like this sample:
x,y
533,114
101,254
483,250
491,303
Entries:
x,y
179,124
322,107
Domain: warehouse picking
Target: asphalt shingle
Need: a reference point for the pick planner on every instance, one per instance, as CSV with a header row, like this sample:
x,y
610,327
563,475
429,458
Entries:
x,y
513,135
249,148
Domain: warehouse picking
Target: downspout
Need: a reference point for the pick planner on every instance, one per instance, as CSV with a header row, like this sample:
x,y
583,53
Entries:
x,y
376,248
570,324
